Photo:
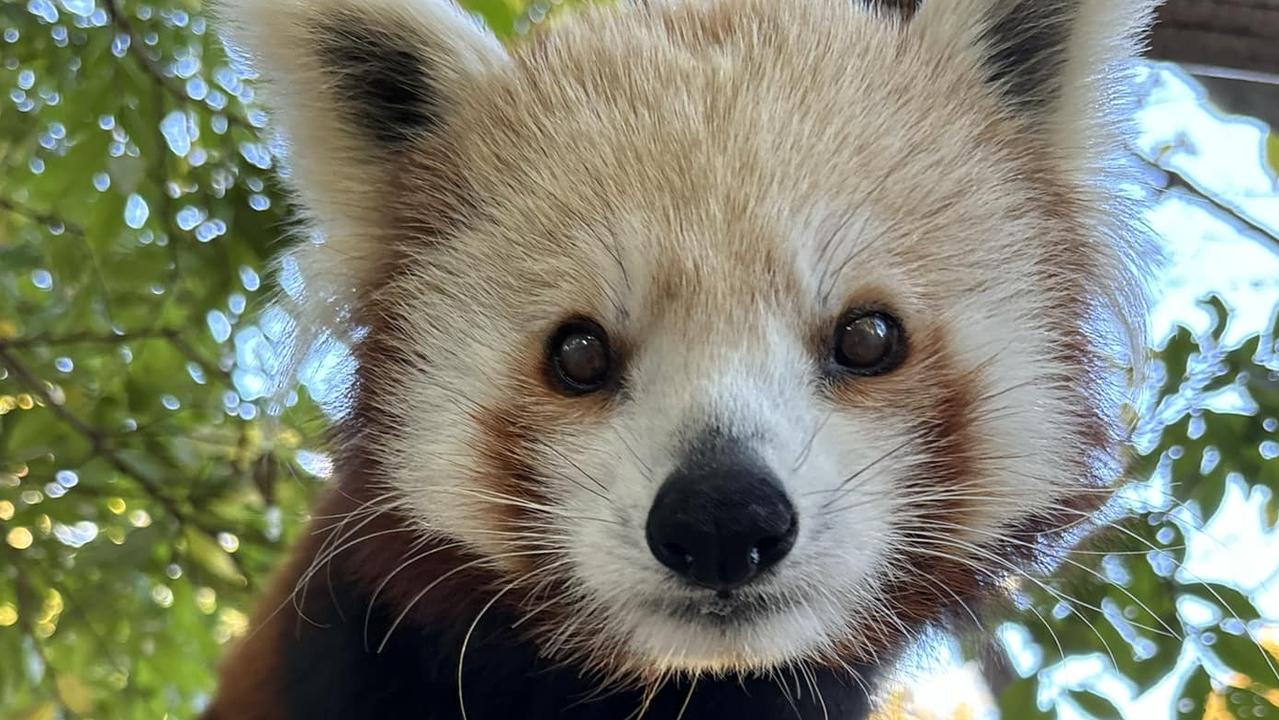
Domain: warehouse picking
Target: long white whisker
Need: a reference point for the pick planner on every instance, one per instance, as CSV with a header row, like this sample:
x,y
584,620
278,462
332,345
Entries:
x,y
466,640
464,566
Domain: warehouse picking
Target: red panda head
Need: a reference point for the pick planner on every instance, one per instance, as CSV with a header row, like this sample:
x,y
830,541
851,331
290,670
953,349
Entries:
x,y
722,333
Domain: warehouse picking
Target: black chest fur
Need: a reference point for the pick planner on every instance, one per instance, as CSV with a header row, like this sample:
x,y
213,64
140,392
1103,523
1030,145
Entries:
x,y
328,673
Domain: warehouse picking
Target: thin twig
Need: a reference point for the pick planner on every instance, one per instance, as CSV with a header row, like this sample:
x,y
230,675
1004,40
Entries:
x,y
138,50
34,215
87,338
102,448
1178,181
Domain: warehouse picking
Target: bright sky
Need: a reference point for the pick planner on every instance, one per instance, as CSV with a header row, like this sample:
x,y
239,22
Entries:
x,y
1207,253
1226,156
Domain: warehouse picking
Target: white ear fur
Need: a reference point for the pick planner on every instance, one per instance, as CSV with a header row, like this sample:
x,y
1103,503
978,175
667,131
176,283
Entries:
x,y
1067,67
311,55
1061,63
348,84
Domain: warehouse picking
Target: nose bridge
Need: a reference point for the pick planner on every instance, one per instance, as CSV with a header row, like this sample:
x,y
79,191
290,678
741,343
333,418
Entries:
x,y
727,376
715,446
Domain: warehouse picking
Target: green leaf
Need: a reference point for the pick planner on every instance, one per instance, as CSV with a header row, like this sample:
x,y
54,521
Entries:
x,y
1232,602
499,15
1245,704
1244,655
1019,701
1220,312
213,559
1272,154
1192,697
1095,705
1176,356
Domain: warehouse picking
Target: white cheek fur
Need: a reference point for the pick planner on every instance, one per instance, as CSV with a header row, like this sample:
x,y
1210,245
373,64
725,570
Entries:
x,y
815,448
602,481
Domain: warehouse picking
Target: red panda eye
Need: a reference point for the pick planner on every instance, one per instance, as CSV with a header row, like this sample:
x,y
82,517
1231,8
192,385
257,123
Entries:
x,y
869,343
580,360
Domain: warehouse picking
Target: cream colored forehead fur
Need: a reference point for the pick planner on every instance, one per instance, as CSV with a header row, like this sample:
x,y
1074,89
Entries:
x,y
700,131
741,128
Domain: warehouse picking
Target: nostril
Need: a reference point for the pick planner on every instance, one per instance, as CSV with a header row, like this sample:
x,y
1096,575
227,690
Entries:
x,y
764,547
677,556
769,550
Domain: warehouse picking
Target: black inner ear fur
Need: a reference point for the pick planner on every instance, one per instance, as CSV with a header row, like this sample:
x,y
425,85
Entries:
x,y
905,8
1027,40
383,83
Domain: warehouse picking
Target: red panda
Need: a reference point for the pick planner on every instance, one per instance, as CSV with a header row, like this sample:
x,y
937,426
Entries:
x,y
708,351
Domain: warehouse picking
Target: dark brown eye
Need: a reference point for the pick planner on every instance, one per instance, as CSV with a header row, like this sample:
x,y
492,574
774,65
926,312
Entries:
x,y
869,343
579,358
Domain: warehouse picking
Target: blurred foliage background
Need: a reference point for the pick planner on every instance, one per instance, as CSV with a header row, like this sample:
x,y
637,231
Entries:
x,y
144,499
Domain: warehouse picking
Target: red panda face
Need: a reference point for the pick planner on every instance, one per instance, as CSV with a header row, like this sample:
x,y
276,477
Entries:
x,y
729,333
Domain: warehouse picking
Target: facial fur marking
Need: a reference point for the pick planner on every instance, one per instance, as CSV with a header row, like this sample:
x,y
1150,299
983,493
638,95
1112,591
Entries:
x,y
506,471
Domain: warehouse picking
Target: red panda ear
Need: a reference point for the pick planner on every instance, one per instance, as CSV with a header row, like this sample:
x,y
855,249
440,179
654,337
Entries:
x,y
383,70
350,82
350,85
387,85
1040,55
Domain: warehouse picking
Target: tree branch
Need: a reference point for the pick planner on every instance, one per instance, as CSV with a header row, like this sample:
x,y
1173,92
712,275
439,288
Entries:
x,y
138,50
34,215
1178,181
102,447
26,377
87,338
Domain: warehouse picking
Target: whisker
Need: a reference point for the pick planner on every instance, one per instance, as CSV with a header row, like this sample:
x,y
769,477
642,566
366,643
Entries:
x,y
869,466
804,453
1052,591
368,613
466,640
464,566
692,686
1170,632
602,493
648,471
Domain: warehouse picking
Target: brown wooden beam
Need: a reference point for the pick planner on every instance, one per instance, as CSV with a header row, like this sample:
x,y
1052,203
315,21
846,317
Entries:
x,y
1234,35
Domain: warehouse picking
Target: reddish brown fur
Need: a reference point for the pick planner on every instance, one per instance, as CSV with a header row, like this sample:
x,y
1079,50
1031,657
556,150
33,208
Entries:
x,y
250,677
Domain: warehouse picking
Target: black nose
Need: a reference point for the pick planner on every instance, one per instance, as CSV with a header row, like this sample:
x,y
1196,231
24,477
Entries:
x,y
719,524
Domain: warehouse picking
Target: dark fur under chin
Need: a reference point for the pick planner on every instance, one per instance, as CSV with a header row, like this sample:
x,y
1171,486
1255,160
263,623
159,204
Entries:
x,y
328,674
325,665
